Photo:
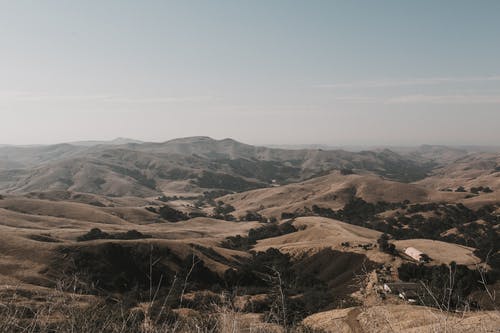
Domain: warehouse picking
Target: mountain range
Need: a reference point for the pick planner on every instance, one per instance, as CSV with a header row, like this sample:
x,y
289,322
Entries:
x,y
193,165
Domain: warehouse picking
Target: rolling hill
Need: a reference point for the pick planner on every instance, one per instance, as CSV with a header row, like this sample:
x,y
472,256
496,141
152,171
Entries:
x,y
182,166
114,223
333,191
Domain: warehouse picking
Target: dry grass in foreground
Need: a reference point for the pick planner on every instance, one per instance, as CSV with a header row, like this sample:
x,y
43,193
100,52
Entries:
x,y
64,312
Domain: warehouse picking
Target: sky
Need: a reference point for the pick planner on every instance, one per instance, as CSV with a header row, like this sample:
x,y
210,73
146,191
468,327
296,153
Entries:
x,y
262,72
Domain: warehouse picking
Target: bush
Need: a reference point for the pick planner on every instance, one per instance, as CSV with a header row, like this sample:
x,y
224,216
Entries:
x,y
93,234
445,282
385,246
253,216
285,215
97,233
487,190
222,211
192,215
267,231
130,235
172,215
346,172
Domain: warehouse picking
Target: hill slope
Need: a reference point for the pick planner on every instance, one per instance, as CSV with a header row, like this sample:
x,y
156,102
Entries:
x,y
188,165
332,191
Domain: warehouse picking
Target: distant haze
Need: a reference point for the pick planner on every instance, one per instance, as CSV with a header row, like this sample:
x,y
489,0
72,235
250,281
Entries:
x,y
263,72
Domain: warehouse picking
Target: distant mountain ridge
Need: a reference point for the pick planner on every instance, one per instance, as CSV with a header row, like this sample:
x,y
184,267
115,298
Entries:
x,y
114,142
187,165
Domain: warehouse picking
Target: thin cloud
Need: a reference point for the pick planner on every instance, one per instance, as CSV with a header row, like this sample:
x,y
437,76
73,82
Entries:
x,y
160,100
357,99
421,99
23,96
410,82
445,99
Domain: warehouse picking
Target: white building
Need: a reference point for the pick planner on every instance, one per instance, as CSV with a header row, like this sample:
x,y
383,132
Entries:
x,y
414,253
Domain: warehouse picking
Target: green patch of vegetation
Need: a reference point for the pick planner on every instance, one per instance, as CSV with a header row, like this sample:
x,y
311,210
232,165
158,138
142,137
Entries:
x,y
385,246
266,231
131,269
209,197
172,215
97,233
44,238
315,283
222,211
346,172
254,216
446,286
484,189
288,215
358,211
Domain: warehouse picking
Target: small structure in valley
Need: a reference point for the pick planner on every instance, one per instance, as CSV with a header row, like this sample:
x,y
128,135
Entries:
x,y
416,254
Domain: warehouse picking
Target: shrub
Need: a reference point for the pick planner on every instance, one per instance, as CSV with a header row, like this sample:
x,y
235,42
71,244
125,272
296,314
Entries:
x,y
97,233
222,211
285,215
152,209
267,231
346,172
449,283
172,215
487,190
253,216
93,234
385,246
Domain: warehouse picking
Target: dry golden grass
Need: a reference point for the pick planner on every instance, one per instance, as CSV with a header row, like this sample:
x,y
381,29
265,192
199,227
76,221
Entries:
x,y
316,233
60,223
471,171
441,252
403,319
332,191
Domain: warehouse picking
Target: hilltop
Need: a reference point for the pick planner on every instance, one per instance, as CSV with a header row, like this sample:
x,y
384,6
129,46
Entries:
x,y
334,191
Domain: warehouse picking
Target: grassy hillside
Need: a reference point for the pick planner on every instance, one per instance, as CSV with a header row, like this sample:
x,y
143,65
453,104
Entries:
x,y
189,165
196,232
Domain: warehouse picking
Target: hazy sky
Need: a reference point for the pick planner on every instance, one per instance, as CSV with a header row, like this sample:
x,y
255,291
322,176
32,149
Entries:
x,y
270,71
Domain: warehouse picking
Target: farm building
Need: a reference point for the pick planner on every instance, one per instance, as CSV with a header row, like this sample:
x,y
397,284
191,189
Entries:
x,y
416,254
